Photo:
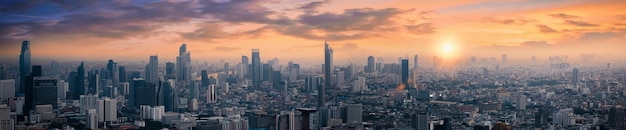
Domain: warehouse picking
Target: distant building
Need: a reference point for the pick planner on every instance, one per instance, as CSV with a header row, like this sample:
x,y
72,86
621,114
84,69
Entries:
x,y
211,96
152,70
7,89
371,67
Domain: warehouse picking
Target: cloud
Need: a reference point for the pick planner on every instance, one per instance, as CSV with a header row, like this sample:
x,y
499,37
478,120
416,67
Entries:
x,y
563,16
226,49
424,28
311,7
580,23
507,21
536,44
545,29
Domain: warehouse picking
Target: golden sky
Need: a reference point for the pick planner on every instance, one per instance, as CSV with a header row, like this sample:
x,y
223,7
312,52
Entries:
x,y
296,30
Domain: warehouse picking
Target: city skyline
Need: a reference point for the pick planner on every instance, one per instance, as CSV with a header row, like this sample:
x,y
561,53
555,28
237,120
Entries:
x,y
390,29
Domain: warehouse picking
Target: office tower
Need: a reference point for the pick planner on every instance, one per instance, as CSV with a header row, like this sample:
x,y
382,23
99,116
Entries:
x,y
124,88
370,65
328,64
312,83
109,91
616,117
419,121
205,78
339,78
142,93
415,63
91,119
541,117
244,65
112,72
7,89
123,76
354,113
266,72
359,85
107,110
256,67
79,82
195,89
226,68
294,72
575,77
6,123
25,67
170,95
211,97
152,70
183,63
170,69
405,72
323,117
62,88
94,82
88,102
504,59
44,90
521,102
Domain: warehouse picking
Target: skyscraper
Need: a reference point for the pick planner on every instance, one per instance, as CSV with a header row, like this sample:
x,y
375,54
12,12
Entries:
x,y
616,117
415,63
170,69
123,76
7,89
79,82
24,65
575,77
44,91
183,62
107,110
211,97
169,95
419,121
312,83
294,72
244,64
256,67
405,72
152,70
112,72
94,82
328,69
370,64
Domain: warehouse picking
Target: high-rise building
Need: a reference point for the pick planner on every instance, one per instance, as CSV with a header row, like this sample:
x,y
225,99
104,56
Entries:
x,y
62,88
521,102
244,65
7,89
25,67
195,89
142,93
328,69
294,72
359,85
152,70
183,63
504,60
44,91
211,96
419,121
415,63
256,67
354,113
94,82
405,72
616,117
6,123
575,76
79,82
312,83
88,102
169,95
170,69
123,76
107,110
112,72
371,67
91,119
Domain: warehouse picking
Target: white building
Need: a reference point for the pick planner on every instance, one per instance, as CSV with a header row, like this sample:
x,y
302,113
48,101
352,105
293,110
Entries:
x,y
359,85
211,97
88,102
107,110
91,119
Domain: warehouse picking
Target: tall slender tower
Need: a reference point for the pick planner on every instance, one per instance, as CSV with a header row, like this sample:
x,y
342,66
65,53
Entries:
x,y
183,62
24,64
405,72
152,70
328,69
256,67
244,66
370,64
79,88
415,63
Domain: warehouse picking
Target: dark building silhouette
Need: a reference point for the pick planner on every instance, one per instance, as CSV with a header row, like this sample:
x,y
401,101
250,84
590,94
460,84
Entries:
x,y
44,91
371,65
541,117
94,82
256,68
79,82
266,72
328,69
205,78
419,121
170,96
616,117
142,93
29,89
123,74
170,69
405,72
25,67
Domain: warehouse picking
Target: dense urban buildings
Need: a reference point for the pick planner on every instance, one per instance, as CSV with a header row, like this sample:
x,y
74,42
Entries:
x,y
485,65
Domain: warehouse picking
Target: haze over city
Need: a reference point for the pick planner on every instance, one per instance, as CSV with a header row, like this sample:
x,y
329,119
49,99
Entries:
x,y
313,64
294,30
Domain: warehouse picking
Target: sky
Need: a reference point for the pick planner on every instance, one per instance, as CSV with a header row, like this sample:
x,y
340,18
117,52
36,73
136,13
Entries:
x,y
295,30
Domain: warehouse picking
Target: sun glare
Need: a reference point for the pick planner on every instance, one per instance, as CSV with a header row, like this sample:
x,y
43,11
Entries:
x,y
448,48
